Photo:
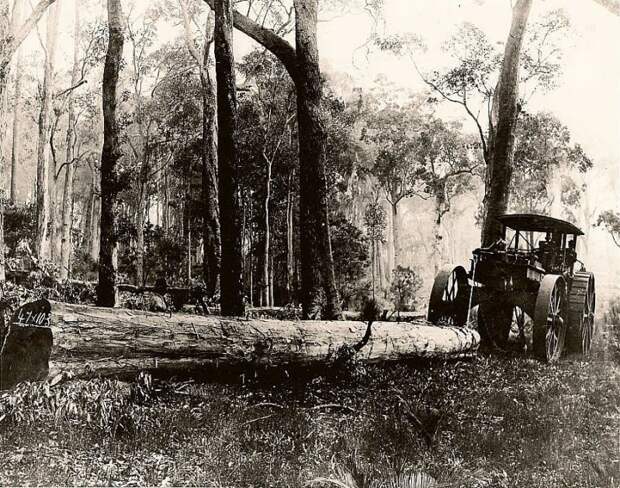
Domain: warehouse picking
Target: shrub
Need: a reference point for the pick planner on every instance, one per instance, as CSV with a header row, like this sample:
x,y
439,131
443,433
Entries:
x,y
405,286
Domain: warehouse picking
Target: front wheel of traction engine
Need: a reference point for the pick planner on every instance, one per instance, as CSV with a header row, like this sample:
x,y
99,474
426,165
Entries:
x,y
550,319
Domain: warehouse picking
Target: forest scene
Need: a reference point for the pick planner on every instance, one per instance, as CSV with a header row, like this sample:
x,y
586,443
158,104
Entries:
x,y
281,243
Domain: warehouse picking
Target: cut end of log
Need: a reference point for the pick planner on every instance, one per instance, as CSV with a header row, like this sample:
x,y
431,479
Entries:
x,y
26,345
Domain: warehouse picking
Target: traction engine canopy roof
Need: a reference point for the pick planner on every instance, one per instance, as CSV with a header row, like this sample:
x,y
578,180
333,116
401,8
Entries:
x,y
538,223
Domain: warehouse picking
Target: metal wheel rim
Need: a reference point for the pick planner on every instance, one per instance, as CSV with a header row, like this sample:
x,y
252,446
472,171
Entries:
x,y
587,327
452,288
555,324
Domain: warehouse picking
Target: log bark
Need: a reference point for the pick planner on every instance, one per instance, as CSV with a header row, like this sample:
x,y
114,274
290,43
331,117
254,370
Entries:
x,y
90,341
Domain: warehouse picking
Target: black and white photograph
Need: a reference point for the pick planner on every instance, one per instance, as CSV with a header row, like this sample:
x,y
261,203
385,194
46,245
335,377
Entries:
x,y
310,243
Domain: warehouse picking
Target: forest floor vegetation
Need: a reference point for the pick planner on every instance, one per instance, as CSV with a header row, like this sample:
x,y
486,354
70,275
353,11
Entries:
x,y
493,421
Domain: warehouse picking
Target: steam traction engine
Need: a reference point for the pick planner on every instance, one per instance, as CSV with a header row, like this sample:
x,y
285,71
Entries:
x,y
533,269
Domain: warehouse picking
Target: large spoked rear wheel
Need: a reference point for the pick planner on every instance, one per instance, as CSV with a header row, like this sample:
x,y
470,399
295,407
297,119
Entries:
x,y
449,299
550,319
581,308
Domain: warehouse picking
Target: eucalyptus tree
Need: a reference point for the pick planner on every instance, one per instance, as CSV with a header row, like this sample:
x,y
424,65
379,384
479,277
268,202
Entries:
x,y
107,289
319,294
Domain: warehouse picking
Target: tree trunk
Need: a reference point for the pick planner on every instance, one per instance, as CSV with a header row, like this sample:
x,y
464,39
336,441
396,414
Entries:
x,y
43,177
210,219
16,143
266,276
504,115
67,203
318,287
395,234
290,249
110,185
88,341
211,223
231,279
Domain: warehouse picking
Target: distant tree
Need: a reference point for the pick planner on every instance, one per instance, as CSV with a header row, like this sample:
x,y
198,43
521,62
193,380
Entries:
x,y
485,81
350,249
610,221
544,152
375,220
13,32
45,188
398,166
405,286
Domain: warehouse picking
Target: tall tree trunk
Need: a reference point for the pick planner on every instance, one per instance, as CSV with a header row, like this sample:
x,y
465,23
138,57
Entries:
x,y
266,261
504,115
211,223
395,233
317,273
66,244
143,205
231,279
16,143
107,290
43,177
290,249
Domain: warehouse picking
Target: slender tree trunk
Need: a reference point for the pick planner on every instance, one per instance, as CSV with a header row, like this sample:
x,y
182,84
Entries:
x,y
43,177
504,115
374,267
107,289
143,205
317,274
211,223
266,261
16,143
67,203
231,279
395,233
290,250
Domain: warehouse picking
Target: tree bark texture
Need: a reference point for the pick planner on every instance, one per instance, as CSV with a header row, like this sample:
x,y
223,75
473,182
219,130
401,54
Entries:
x,y
66,244
43,171
502,126
319,294
211,221
231,279
110,185
16,142
89,341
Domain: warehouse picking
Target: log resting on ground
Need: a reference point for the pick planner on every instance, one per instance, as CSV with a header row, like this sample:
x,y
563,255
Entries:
x,y
90,341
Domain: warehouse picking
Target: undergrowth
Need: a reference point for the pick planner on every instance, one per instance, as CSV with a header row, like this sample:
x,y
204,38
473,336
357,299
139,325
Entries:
x,y
488,422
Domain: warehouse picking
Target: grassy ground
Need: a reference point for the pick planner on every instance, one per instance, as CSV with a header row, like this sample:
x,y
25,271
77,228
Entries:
x,y
502,422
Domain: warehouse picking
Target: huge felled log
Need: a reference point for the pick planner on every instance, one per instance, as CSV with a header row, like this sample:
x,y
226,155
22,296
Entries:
x,y
88,341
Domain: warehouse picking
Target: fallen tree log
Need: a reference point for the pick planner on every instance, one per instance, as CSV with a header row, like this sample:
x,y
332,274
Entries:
x,y
87,341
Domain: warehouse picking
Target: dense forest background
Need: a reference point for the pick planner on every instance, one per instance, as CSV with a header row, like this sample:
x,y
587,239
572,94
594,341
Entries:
x,y
407,98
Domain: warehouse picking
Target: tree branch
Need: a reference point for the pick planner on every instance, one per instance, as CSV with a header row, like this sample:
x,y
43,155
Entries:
x,y
279,47
612,5
28,25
